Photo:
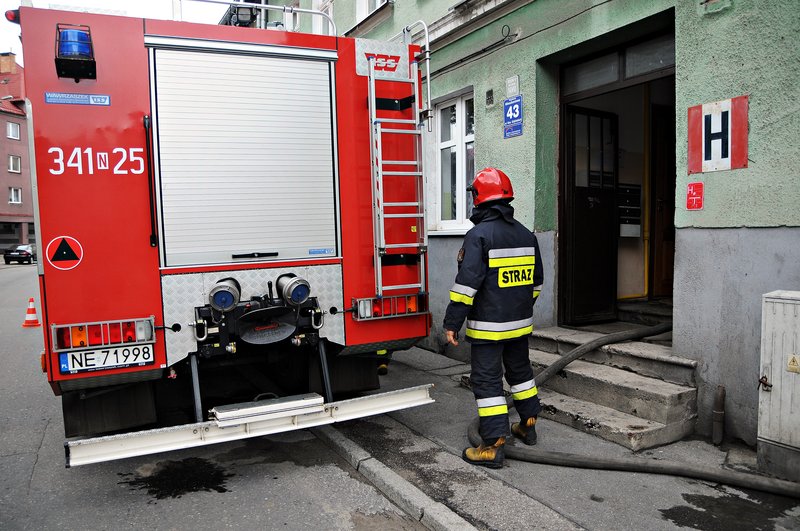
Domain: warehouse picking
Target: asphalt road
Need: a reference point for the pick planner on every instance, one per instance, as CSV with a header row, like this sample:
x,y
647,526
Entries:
x,y
294,481
290,481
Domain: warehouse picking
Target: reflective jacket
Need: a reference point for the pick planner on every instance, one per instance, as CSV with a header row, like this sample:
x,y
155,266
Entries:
x,y
499,278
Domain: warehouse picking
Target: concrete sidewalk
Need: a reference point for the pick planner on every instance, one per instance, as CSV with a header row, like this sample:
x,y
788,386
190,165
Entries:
x,y
422,446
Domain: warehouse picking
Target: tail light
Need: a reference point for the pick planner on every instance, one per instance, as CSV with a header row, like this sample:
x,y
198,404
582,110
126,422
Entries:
x,y
108,333
390,306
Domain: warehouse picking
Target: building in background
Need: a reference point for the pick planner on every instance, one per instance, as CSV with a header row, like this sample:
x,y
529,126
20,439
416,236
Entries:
x,y
16,210
652,146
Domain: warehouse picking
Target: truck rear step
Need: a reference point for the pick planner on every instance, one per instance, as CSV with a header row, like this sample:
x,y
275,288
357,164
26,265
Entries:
x,y
242,421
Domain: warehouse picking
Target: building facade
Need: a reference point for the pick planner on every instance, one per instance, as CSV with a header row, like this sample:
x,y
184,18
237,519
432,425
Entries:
x,y
16,213
652,147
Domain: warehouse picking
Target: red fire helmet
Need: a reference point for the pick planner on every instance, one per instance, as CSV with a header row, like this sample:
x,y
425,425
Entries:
x,y
490,184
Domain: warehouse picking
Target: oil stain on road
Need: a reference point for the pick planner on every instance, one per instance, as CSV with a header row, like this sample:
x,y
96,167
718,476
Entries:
x,y
173,479
756,511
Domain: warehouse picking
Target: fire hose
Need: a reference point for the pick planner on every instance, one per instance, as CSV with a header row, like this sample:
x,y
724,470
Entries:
x,y
633,464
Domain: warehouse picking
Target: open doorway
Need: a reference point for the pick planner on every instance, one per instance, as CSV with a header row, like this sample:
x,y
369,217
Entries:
x,y
617,200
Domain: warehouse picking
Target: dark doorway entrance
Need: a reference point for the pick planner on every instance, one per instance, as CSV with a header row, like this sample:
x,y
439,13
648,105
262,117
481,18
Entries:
x,y
617,188
662,173
591,173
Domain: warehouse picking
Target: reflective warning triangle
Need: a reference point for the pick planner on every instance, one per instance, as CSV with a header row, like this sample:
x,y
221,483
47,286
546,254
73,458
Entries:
x,y
64,252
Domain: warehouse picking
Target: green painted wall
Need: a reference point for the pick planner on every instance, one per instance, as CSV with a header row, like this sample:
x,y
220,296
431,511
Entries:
x,y
751,47
744,47
542,28
402,12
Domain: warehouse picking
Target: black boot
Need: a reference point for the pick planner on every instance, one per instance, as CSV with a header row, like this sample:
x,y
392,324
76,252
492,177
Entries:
x,y
525,431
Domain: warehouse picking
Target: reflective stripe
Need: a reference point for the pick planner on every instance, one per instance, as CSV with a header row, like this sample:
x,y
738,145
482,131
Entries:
x,y
512,257
515,251
498,336
491,411
381,352
495,405
492,401
458,297
524,386
464,290
462,293
515,261
499,327
522,395
537,290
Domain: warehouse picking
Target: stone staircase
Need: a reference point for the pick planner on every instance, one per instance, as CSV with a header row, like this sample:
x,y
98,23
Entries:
x,y
636,394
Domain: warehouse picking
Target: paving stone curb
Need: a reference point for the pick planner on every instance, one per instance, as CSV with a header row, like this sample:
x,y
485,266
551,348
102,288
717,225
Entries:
x,y
432,514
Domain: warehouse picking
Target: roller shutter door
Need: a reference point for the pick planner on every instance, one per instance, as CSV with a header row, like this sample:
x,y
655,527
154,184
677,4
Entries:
x,y
245,157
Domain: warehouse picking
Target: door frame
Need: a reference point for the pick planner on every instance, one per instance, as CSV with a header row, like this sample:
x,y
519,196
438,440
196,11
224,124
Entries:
x,y
564,299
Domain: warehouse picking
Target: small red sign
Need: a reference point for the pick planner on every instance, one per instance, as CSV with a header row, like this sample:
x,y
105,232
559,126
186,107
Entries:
x,y
64,253
694,196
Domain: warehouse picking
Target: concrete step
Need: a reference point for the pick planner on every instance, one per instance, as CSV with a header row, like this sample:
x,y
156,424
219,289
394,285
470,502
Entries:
x,y
655,361
647,313
626,430
625,391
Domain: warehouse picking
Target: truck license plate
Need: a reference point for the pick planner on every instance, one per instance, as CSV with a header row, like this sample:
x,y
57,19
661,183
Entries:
x,y
107,358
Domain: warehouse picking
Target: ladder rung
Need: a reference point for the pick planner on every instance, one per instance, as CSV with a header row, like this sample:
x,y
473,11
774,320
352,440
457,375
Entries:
x,y
409,173
402,286
395,121
401,245
401,163
402,215
415,203
401,131
393,80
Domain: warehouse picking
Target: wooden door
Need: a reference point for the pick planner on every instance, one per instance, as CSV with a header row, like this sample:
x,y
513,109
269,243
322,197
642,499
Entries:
x,y
662,151
588,246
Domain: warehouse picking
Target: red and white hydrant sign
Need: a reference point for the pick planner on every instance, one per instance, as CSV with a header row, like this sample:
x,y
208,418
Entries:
x,y
718,135
694,196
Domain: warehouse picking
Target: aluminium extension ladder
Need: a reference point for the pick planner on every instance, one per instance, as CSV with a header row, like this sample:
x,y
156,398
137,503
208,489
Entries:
x,y
383,211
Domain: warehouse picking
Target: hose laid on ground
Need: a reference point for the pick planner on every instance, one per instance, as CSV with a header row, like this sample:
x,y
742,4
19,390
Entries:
x,y
632,464
585,348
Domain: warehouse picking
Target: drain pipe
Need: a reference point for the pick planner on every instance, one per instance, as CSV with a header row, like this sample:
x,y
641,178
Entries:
x,y
718,416
634,464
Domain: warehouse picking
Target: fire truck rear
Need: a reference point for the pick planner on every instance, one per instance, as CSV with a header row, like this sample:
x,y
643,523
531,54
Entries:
x,y
231,227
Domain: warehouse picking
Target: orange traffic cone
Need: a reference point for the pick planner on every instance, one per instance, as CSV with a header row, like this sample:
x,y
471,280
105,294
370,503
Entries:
x,y
30,316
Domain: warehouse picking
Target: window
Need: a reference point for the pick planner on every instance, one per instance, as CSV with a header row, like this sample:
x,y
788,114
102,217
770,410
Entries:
x,y
15,196
456,161
365,8
637,60
12,130
320,25
14,163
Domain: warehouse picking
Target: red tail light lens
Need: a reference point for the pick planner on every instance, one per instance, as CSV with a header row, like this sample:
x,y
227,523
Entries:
x,y
84,335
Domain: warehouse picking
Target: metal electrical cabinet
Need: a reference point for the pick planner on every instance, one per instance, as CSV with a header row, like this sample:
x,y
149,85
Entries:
x,y
779,400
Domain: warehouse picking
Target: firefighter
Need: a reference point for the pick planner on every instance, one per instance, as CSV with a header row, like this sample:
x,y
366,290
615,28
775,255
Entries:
x,y
499,278
384,357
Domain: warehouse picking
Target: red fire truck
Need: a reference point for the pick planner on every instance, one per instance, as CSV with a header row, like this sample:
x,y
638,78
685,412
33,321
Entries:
x,y
231,226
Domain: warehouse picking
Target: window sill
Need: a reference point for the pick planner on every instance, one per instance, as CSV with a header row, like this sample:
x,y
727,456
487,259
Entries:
x,y
371,21
461,231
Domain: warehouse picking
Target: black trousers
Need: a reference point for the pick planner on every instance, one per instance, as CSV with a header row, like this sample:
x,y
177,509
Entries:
x,y
488,361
